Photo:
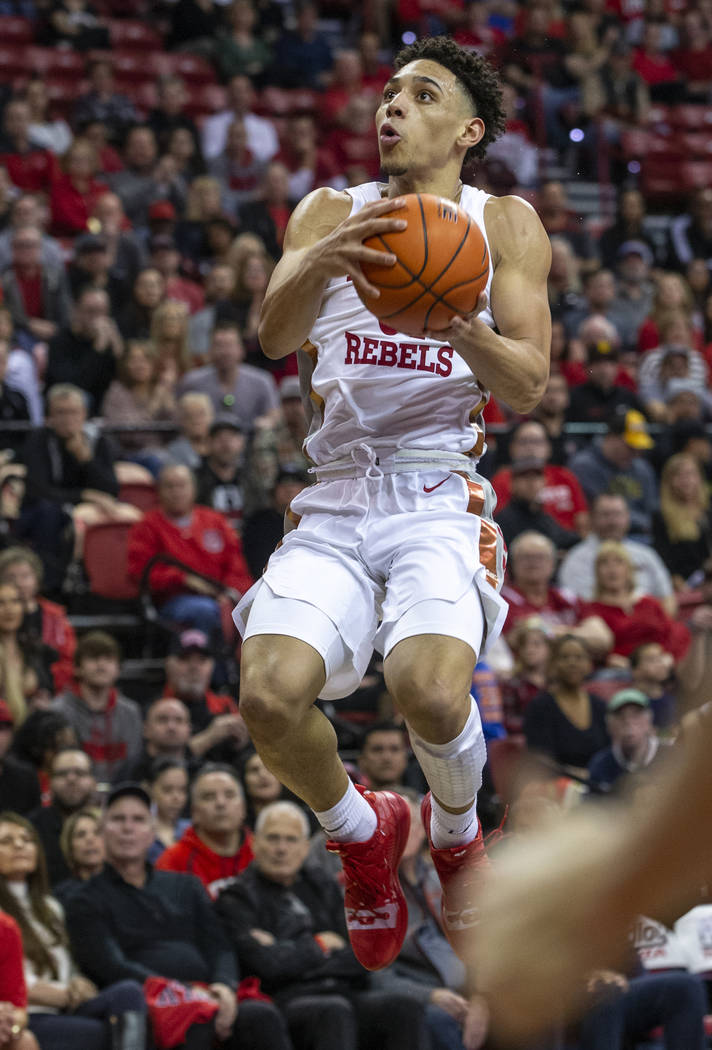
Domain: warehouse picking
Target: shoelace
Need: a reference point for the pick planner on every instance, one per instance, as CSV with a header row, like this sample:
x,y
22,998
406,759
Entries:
x,y
361,871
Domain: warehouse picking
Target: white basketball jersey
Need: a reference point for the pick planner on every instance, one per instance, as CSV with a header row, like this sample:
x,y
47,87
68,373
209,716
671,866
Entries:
x,y
371,384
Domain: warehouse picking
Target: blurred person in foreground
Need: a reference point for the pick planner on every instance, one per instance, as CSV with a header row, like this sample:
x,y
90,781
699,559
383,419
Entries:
x,y
13,990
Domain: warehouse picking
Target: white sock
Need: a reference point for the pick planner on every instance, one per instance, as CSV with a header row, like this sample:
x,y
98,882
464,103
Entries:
x,y
454,772
350,820
452,829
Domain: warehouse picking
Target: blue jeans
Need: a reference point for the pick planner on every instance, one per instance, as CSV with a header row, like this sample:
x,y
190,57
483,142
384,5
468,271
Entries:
x,y
444,1031
88,1027
194,610
677,1001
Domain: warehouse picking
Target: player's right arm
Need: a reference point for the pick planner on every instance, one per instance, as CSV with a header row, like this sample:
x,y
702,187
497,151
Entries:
x,y
322,240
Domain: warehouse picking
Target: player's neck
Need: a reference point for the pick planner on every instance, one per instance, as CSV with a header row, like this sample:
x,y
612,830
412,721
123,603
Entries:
x,y
443,185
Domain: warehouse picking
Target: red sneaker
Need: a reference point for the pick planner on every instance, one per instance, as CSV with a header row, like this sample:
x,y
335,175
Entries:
x,y
460,870
376,910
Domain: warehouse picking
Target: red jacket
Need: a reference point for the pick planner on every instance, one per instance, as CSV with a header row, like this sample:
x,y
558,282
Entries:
x,y
647,621
71,208
562,495
190,854
207,545
12,977
32,172
58,633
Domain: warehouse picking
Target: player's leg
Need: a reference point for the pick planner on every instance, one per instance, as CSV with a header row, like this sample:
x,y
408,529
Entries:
x,y
280,679
429,676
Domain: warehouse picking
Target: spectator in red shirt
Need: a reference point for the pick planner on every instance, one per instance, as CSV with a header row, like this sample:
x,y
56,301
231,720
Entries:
x,y
35,291
43,619
13,993
353,145
218,846
532,562
199,538
75,193
346,82
634,620
308,165
32,169
693,59
562,496
653,64
268,216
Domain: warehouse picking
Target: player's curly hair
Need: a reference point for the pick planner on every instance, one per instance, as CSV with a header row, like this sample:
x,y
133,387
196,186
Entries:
x,y
475,74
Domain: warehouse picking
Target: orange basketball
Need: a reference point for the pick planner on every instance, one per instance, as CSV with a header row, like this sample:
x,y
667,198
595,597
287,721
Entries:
x,y
442,266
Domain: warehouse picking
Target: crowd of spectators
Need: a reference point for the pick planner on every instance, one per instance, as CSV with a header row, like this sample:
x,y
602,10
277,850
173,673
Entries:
x,y
150,158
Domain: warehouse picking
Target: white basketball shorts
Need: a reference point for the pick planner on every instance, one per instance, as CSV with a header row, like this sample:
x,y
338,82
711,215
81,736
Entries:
x,y
373,560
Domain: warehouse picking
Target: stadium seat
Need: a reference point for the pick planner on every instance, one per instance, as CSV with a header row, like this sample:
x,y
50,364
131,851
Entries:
x,y
134,35
62,63
15,30
193,69
143,496
692,117
274,102
133,67
105,561
13,62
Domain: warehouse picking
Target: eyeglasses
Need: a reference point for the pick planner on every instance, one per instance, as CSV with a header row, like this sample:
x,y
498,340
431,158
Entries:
x,y
71,772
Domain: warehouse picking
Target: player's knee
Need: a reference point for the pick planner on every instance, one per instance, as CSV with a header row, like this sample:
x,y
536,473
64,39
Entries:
x,y
273,698
431,703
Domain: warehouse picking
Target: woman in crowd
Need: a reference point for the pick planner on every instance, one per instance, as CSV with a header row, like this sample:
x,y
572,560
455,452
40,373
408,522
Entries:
x,y
682,531
75,193
44,621
530,642
195,416
628,226
251,279
633,619
184,148
82,844
169,335
241,50
169,792
148,293
203,204
566,723
66,1009
141,395
672,296
13,992
24,662
45,132
261,787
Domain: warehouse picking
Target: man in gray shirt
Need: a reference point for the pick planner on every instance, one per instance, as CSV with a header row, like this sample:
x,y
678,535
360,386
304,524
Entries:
x,y
232,386
610,520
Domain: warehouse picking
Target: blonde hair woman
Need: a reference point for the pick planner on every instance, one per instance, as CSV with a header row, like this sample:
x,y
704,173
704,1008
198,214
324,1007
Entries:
x,y
682,535
169,335
672,296
632,618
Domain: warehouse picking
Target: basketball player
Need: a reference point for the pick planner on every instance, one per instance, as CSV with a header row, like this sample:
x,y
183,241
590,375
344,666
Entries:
x,y
395,546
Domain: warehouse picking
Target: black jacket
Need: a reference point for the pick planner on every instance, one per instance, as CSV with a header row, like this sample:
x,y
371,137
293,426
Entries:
x,y
73,359
166,928
19,787
56,475
48,824
294,964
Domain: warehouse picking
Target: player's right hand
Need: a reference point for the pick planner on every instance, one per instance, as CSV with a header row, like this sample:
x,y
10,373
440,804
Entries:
x,y
343,252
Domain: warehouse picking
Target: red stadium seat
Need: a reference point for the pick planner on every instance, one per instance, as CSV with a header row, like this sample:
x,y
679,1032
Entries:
x,y
692,117
13,62
138,494
697,145
274,102
133,67
105,561
67,64
38,60
134,35
303,100
15,30
193,69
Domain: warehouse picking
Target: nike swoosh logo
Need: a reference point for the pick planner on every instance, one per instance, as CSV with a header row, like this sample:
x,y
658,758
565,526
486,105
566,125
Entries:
x,y
433,487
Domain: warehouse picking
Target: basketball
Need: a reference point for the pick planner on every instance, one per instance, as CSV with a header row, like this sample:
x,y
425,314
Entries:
x,y
442,266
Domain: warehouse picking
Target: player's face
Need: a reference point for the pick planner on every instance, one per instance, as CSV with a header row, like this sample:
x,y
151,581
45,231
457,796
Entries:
x,y
423,116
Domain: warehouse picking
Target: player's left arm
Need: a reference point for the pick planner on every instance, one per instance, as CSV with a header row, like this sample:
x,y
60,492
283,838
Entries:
x,y
514,364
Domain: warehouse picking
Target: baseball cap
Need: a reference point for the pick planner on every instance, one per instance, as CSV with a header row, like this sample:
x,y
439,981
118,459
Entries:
x,y
128,789
291,472
528,465
290,387
6,718
627,696
636,248
632,427
601,350
191,641
162,242
225,421
161,211
90,242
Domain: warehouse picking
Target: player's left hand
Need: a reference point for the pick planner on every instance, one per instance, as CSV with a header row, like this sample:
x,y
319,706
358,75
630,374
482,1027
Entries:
x,y
461,330
476,1024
